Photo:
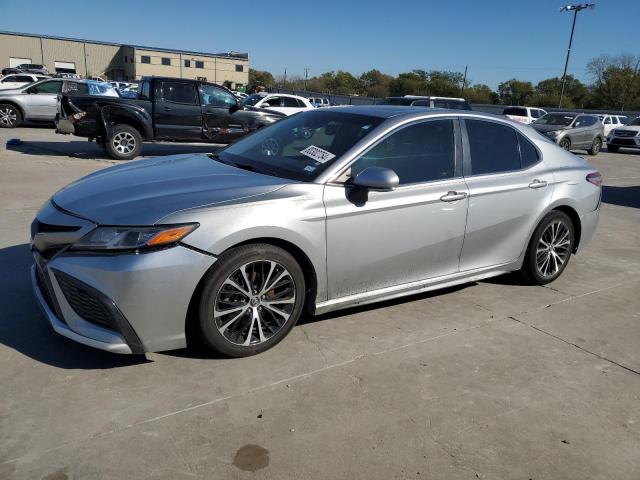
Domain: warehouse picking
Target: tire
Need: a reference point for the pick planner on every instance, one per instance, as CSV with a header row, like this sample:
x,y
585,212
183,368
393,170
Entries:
x,y
534,269
612,148
596,145
10,116
252,325
124,143
565,144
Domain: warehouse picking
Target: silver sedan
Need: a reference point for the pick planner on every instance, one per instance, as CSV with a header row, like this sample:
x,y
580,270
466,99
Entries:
x,y
324,210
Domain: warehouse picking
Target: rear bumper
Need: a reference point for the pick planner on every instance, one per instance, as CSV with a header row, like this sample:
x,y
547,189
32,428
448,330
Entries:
x,y
588,223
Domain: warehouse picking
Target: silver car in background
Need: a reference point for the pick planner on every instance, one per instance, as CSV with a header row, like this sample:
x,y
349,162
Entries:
x,y
321,211
39,101
572,131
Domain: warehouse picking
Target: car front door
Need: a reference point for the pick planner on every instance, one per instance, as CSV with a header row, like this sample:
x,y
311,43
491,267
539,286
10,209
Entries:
x,y
220,123
41,100
509,188
177,113
581,133
380,239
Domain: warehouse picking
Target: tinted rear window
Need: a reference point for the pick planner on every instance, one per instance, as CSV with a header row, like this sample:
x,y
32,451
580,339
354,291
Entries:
x,y
520,112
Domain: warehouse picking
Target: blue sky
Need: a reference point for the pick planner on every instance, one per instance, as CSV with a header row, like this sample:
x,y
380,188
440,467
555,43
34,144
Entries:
x,y
497,39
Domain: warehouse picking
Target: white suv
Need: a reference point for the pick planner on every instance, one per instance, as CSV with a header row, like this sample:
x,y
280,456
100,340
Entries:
x,y
625,137
17,80
612,121
523,114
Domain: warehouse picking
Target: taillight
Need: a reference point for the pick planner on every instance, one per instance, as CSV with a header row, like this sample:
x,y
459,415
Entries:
x,y
78,116
595,178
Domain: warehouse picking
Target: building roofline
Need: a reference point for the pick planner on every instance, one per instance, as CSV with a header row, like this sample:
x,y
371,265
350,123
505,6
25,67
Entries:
x,y
238,55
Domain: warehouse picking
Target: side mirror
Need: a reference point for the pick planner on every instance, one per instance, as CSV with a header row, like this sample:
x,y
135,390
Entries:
x,y
377,178
234,108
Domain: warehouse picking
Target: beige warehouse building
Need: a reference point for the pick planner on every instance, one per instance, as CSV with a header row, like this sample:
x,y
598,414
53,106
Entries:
x,y
114,61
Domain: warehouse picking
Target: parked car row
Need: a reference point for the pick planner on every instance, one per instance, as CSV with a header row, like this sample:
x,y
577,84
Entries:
x,y
26,68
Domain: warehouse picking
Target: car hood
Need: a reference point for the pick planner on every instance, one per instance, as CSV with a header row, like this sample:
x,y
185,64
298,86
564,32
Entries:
x,y
632,128
548,128
144,192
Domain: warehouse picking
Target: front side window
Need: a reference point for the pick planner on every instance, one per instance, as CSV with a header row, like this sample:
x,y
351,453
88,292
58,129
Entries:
x,y
251,100
607,121
493,147
179,92
272,101
289,102
422,152
166,61
47,87
216,97
302,146
145,59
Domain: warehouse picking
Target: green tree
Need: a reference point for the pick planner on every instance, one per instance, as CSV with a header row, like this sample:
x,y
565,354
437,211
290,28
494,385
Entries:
x,y
616,82
444,83
547,93
260,78
375,83
515,92
480,93
408,83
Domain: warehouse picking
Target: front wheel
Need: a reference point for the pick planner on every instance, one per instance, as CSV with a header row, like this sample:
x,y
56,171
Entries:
x,y
549,249
10,116
250,300
124,143
596,145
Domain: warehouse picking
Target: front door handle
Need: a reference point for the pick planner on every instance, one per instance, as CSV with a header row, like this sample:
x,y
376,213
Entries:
x,y
167,109
538,184
452,196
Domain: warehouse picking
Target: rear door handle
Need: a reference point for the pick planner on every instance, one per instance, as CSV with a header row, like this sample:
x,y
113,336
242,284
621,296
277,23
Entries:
x,y
538,184
453,196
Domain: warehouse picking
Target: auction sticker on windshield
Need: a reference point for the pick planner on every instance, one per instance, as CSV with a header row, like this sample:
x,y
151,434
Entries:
x,y
318,154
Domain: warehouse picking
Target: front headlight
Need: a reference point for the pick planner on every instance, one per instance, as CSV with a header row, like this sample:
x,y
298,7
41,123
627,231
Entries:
x,y
133,238
554,133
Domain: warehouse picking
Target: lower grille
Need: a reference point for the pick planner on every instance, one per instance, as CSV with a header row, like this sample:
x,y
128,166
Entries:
x,y
623,141
85,304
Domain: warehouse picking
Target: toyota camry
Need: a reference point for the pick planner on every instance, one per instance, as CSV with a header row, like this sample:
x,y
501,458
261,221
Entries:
x,y
323,210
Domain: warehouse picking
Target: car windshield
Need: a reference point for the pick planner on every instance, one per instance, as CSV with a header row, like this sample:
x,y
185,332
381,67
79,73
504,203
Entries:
x,y
251,100
635,121
518,112
302,146
556,119
395,101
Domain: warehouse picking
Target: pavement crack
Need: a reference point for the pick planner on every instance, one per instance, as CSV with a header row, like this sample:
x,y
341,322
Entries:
x,y
316,344
585,350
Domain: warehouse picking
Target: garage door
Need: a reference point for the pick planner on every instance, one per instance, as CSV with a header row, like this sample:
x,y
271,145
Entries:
x,y
14,61
65,67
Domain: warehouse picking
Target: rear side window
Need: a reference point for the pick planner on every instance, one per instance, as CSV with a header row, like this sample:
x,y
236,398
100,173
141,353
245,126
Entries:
x,y
418,153
493,147
528,153
179,92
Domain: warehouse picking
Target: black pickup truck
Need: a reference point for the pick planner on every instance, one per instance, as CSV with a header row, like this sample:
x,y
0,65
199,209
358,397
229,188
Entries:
x,y
167,109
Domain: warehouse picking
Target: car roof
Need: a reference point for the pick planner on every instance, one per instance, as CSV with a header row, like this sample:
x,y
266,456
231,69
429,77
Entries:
x,y
403,112
435,97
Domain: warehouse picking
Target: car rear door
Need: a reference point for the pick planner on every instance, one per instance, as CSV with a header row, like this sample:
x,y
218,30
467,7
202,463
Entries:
x,y
380,239
220,123
41,100
177,113
509,188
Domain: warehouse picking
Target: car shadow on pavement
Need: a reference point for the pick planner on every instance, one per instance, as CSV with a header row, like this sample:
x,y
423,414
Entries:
x,y
623,196
24,329
91,150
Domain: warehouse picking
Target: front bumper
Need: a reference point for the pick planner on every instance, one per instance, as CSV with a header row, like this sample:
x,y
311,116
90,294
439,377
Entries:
x,y
629,142
144,297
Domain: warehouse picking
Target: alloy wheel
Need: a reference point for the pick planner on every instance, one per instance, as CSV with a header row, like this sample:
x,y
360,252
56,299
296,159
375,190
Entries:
x,y
124,142
8,116
254,302
597,144
553,248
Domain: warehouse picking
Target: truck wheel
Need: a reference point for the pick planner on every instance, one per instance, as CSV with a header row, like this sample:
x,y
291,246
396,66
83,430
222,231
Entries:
x,y
124,143
10,116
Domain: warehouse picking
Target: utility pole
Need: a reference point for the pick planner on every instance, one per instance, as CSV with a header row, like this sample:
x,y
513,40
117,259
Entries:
x,y
306,76
284,81
464,80
576,9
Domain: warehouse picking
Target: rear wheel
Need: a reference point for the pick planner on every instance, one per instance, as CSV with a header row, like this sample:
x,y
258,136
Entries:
x,y
565,143
251,299
596,145
10,116
612,148
549,249
124,143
